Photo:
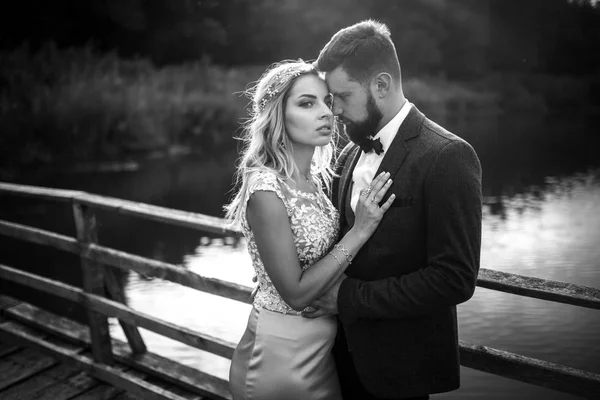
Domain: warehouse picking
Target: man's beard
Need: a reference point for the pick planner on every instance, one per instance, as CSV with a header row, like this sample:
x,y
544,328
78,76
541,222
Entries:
x,y
359,131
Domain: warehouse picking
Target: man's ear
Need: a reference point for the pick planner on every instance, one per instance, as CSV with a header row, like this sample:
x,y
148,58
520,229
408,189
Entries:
x,y
382,84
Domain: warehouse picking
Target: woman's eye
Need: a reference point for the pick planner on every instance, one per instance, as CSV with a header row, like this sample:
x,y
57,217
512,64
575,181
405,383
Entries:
x,y
306,104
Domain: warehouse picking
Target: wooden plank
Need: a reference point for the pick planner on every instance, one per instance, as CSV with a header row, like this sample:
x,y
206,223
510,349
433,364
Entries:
x,y
59,371
162,384
127,396
38,383
43,284
170,272
201,222
67,346
8,348
32,331
541,373
179,391
79,383
189,378
107,373
560,292
38,192
113,309
101,392
7,302
93,283
39,236
22,365
51,323
65,389
135,340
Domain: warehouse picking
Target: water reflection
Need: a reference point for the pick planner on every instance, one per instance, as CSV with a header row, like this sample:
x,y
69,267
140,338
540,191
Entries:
x,y
554,229
550,232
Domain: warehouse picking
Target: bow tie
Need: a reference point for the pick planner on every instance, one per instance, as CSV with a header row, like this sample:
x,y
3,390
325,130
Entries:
x,y
368,145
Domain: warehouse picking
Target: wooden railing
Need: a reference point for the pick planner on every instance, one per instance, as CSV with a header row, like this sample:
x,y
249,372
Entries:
x,y
102,298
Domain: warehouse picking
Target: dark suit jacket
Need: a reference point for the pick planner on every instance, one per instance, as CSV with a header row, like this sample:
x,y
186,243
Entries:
x,y
398,305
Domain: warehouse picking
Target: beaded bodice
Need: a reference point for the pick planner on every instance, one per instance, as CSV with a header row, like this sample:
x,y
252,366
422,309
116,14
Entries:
x,y
314,223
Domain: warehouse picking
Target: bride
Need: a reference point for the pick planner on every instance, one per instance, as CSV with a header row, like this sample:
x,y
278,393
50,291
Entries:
x,y
292,231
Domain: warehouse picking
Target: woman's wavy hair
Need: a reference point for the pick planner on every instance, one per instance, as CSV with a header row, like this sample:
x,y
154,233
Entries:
x,y
267,146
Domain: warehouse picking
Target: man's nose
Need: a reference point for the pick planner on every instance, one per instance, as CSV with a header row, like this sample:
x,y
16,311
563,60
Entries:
x,y
336,109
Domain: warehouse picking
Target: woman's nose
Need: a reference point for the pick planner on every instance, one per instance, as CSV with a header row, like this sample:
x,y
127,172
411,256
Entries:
x,y
326,112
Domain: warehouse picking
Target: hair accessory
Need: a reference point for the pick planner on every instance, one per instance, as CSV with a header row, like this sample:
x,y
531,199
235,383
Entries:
x,y
344,251
280,79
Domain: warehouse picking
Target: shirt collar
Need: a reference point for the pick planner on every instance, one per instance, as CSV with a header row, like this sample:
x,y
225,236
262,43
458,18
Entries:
x,y
388,132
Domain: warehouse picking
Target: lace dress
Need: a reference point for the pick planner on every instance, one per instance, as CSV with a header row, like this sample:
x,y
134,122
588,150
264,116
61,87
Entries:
x,y
283,355
315,226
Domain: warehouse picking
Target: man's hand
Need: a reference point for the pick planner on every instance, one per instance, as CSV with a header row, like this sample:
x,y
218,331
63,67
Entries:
x,y
326,304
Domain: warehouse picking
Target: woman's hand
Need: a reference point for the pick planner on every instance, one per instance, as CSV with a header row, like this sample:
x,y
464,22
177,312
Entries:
x,y
368,213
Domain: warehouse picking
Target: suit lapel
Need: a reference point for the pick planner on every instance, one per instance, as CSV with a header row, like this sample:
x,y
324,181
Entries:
x,y
345,181
392,160
395,155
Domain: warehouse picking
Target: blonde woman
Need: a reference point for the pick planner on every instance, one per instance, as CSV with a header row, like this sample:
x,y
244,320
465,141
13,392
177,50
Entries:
x,y
292,231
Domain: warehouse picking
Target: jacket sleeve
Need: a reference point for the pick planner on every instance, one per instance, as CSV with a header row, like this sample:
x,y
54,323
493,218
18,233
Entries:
x,y
452,196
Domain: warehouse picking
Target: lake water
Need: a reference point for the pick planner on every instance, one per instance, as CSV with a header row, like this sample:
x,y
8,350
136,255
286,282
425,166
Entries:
x,y
541,218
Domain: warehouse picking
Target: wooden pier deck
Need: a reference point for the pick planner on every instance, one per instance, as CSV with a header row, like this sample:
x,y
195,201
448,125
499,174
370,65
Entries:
x,y
28,374
47,357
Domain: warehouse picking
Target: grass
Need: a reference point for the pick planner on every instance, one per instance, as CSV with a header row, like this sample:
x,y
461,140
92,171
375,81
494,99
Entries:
x,y
76,104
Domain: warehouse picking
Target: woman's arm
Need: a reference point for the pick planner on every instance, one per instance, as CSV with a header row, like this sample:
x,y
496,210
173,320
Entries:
x,y
269,222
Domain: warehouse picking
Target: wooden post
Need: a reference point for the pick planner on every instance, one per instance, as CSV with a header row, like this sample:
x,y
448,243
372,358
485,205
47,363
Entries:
x,y
131,331
93,283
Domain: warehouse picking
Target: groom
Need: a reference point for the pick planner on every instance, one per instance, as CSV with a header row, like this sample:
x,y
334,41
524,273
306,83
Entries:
x,y
398,335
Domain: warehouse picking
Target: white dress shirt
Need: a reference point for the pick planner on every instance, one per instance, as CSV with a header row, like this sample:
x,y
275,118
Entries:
x,y
368,163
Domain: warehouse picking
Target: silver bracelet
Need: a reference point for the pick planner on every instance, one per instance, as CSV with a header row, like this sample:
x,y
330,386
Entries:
x,y
344,251
336,259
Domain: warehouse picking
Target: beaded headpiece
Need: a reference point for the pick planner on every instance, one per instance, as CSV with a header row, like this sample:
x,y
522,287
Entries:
x,y
281,79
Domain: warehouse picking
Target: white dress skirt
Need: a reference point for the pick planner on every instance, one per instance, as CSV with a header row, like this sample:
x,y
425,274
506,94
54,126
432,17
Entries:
x,y
282,355
285,357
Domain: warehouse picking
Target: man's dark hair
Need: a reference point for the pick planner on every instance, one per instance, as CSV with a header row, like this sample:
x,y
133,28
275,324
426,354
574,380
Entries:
x,y
363,50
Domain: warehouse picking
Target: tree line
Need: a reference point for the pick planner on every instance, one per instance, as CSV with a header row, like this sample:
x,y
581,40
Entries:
x,y
453,39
